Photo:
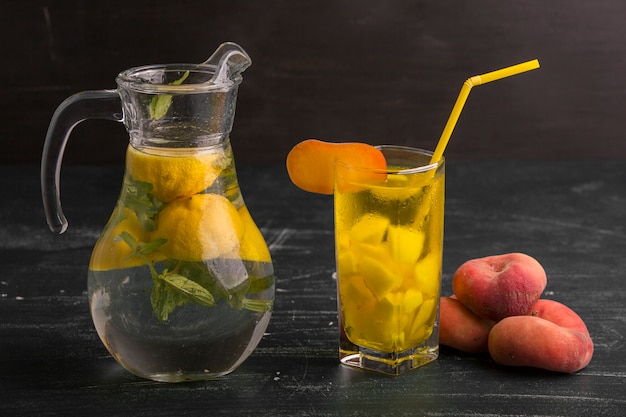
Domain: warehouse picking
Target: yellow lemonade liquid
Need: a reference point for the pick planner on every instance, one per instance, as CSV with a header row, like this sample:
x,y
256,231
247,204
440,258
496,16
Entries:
x,y
389,253
181,283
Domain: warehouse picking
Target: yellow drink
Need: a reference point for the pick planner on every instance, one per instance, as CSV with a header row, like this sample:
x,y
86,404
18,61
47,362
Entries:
x,y
389,243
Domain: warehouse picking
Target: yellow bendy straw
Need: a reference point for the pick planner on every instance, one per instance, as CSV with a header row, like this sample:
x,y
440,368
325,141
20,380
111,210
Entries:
x,y
465,90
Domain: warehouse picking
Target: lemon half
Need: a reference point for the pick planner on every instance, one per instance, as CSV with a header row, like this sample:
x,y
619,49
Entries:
x,y
200,227
175,173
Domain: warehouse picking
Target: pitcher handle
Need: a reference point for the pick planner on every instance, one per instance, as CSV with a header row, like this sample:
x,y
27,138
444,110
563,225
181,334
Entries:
x,y
100,104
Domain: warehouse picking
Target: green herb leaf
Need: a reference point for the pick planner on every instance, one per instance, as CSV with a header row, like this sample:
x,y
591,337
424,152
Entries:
x,y
194,282
160,104
258,284
137,197
149,247
128,239
163,300
195,271
260,306
171,290
140,248
188,289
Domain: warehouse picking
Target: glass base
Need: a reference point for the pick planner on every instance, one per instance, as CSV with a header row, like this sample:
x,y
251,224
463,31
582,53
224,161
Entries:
x,y
389,363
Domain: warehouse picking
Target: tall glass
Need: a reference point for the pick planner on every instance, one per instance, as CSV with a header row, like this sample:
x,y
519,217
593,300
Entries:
x,y
389,245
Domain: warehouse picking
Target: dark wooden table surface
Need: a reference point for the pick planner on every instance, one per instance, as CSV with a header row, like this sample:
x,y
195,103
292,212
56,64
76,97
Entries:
x,y
570,215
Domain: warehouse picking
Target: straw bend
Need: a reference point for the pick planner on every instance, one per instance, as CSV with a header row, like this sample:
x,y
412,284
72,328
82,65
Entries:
x,y
464,93
475,80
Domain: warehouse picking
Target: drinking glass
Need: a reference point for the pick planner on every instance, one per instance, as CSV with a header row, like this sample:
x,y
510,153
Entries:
x,y
389,245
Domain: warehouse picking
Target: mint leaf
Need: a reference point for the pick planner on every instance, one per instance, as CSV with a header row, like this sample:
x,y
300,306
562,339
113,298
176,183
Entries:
x,y
201,274
163,300
188,289
128,239
160,104
181,79
137,197
260,306
258,284
140,248
184,282
149,247
171,290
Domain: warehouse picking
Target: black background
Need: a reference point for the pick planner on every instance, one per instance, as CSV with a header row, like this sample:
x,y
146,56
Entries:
x,y
371,71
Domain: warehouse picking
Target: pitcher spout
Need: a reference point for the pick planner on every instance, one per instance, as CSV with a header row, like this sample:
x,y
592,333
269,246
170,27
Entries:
x,y
229,60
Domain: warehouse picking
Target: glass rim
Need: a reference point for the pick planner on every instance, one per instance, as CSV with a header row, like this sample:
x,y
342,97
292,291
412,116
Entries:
x,y
138,79
405,171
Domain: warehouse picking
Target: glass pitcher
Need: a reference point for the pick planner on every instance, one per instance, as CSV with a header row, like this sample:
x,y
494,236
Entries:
x,y
180,282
